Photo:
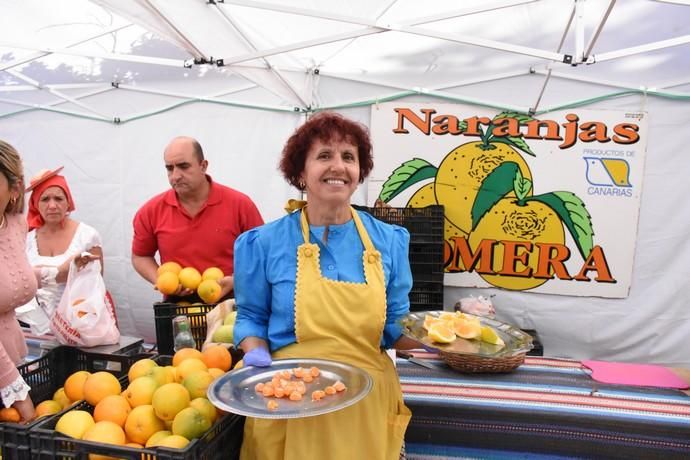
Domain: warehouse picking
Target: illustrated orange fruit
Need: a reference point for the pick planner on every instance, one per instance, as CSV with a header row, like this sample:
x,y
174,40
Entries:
x,y
142,423
217,356
74,423
212,273
189,278
167,283
10,414
185,353
426,196
113,408
209,291
170,399
140,368
190,423
532,223
99,385
441,333
74,385
172,267
461,174
48,407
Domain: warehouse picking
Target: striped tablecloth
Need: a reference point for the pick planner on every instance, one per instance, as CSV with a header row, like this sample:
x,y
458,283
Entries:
x,y
545,408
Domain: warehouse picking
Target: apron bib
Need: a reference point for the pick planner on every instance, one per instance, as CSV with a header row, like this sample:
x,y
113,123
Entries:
x,y
342,321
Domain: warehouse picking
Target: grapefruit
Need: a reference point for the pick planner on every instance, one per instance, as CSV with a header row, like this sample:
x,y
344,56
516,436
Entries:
x,y
74,423
189,278
190,423
212,273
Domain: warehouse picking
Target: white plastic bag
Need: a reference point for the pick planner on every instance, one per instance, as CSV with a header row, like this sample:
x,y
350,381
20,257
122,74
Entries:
x,y
32,313
84,315
478,306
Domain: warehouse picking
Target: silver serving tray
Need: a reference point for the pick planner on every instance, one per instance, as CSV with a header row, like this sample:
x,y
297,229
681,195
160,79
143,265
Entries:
x,y
234,392
516,341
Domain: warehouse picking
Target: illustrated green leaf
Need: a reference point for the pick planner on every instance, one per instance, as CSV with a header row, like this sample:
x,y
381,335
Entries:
x,y
521,185
497,184
404,176
520,117
572,211
516,142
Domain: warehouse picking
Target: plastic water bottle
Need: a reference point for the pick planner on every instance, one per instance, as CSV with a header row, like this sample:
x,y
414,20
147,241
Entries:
x,y
183,333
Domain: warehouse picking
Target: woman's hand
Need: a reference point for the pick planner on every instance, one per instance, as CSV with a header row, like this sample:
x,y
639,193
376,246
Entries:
x,y
84,258
26,409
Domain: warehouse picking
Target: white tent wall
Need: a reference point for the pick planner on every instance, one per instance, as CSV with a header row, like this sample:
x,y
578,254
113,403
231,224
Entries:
x,y
497,54
113,169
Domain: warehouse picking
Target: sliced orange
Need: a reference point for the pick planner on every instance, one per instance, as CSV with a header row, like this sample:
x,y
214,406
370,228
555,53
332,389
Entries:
x,y
441,333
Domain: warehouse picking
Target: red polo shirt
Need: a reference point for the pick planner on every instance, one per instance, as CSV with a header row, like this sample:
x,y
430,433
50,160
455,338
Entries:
x,y
205,240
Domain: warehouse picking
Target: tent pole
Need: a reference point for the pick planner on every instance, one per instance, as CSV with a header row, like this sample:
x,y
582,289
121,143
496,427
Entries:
x,y
548,74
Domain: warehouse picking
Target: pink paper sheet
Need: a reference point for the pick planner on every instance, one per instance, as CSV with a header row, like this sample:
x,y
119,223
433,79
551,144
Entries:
x,y
647,375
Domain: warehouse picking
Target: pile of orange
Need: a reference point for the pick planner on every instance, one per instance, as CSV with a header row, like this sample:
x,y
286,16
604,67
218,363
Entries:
x,y
172,275
161,406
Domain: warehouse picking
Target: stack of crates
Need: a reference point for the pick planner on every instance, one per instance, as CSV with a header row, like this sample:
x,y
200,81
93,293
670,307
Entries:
x,y
426,250
222,440
45,375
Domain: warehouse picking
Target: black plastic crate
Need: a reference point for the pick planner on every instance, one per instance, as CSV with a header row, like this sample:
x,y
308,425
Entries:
x,y
222,440
165,312
426,296
425,226
45,375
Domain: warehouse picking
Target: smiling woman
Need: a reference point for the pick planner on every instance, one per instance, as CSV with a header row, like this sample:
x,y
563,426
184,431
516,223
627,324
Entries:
x,y
326,282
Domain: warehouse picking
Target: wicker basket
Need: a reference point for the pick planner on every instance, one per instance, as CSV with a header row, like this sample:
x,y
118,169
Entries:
x,y
473,364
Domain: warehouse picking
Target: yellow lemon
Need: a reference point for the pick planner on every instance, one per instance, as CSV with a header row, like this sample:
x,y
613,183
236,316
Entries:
x,y
489,335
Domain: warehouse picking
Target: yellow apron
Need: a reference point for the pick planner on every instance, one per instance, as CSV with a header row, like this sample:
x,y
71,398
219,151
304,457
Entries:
x,y
342,321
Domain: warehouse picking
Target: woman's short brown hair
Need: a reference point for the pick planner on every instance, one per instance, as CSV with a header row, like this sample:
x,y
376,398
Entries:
x,y
325,126
11,167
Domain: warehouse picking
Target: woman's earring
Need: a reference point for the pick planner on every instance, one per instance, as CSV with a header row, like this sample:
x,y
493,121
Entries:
x,y
302,185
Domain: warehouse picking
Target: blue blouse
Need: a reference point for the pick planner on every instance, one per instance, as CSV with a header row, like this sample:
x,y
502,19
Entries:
x,y
266,270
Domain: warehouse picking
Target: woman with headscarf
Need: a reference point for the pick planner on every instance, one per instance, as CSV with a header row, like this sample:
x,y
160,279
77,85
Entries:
x,y
55,239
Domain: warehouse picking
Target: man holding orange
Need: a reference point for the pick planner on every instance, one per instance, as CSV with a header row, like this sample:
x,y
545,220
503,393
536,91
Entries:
x,y
195,223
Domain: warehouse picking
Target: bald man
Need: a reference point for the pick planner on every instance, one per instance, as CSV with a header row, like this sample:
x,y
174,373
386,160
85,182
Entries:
x,y
195,223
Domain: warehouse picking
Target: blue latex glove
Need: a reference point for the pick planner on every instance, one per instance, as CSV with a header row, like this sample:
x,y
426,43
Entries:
x,y
258,357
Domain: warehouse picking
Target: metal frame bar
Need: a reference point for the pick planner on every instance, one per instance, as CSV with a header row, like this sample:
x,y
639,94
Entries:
x,y
659,45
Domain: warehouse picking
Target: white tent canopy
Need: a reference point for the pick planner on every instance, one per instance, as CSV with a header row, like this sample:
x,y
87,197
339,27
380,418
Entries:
x,y
102,86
